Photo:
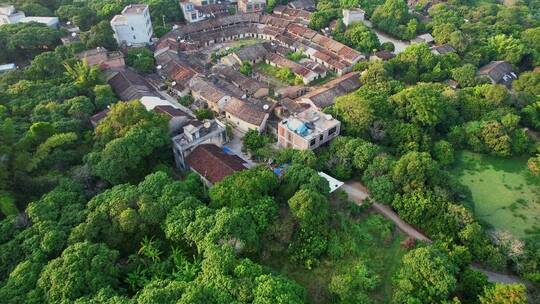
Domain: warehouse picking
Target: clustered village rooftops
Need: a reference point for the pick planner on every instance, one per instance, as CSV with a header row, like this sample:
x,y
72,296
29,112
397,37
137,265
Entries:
x,y
294,36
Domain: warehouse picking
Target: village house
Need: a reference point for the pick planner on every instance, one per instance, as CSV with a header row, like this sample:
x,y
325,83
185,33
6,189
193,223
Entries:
x,y
307,5
177,118
251,6
248,115
424,38
102,58
251,54
10,15
250,86
307,129
52,22
306,74
296,15
195,133
498,72
291,92
204,89
213,163
133,26
353,15
98,117
382,56
442,49
324,96
178,72
128,84
282,32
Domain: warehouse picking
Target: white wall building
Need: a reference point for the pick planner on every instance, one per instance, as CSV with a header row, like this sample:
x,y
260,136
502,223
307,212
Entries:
x,y
191,13
133,26
351,16
51,22
9,15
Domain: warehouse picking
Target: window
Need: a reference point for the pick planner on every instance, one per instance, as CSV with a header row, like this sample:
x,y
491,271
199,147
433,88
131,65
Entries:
x,y
134,37
321,137
132,28
312,142
193,16
332,131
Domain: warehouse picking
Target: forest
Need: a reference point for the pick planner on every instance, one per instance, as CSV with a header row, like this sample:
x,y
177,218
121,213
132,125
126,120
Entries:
x,y
102,215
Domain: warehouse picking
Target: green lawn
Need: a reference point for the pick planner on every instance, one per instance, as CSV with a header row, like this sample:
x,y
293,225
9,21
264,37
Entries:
x,y
503,192
285,76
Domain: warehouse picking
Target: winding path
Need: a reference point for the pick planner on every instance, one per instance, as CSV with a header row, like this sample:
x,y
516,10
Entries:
x,y
358,193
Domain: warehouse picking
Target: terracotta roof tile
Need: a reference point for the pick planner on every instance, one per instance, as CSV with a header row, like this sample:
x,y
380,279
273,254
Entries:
x,y
211,162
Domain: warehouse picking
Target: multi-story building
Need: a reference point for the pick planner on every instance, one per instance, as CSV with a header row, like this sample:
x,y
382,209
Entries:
x,y
196,133
190,11
133,26
197,10
251,6
307,130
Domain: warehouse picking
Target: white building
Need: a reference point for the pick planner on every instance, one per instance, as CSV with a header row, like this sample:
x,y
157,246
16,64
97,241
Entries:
x,y
9,15
133,26
51,22
351,16
7,67
191,13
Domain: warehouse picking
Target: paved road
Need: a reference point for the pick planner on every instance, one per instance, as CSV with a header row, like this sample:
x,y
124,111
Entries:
x,y
358,193
400,45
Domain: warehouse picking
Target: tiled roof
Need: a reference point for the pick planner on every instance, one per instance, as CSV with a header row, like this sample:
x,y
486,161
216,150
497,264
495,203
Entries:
x,y
98,117
324,96
207,89
170,111
252,52
496,70
212,163
384,55
246,111
443,49
129,85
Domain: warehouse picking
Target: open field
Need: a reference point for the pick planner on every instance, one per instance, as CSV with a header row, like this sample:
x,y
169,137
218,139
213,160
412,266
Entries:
x,y
503,192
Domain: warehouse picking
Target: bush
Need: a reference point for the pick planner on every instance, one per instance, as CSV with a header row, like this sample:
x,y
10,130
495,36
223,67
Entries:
x,y
203,114
388,46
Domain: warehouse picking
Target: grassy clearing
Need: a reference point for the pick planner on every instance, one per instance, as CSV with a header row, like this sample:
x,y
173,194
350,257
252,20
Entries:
x,y
369,238
286,76
502,191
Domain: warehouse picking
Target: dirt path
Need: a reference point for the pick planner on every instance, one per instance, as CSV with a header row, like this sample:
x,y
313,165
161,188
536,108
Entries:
x,y
358,193
496,277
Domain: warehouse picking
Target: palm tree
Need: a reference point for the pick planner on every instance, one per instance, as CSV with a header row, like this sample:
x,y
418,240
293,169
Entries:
x,y
83,75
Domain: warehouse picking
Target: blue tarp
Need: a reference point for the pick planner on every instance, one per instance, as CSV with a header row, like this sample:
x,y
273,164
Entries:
x,y
227,150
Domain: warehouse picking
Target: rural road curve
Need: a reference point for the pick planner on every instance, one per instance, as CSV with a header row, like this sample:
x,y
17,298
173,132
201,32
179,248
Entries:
x,y
358,192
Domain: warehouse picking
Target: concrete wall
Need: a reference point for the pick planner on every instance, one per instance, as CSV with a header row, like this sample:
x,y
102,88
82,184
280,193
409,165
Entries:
x,y
136,30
